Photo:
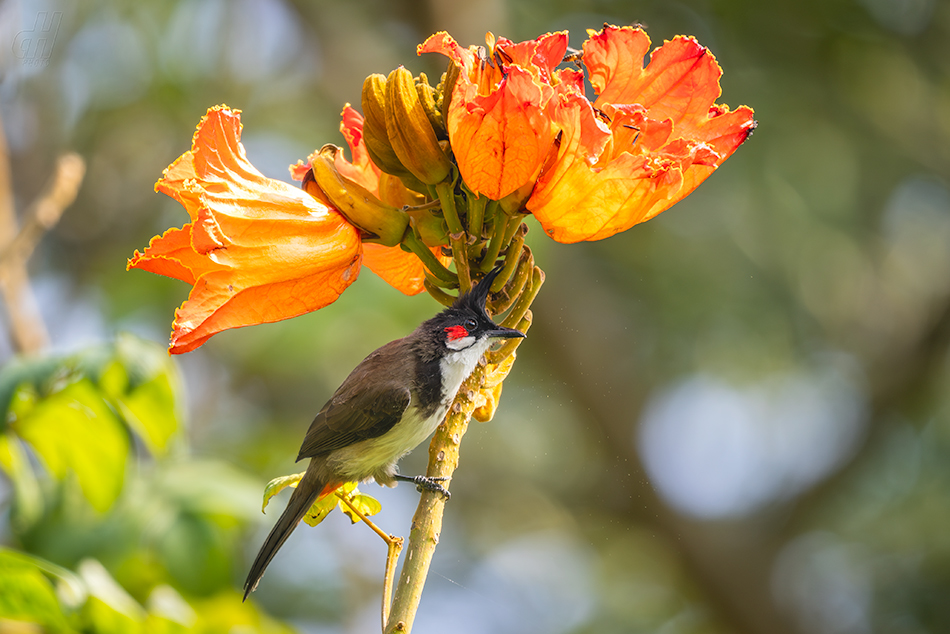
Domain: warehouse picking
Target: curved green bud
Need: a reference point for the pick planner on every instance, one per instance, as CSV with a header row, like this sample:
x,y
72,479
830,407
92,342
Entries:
x,y
448,85
374,127
429,97
410,133
384,224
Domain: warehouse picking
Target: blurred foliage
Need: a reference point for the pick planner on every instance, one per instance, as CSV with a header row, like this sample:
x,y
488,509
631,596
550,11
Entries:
x,y
733,418
84,494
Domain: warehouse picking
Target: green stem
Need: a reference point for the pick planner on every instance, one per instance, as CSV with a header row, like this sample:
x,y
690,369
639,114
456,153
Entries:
x,y
516,287
476,215
512,257
495,244
524,301
440,296
508,348
513,225
412,241
446,193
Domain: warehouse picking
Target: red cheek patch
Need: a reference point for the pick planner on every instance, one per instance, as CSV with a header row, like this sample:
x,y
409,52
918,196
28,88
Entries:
x,y
456,332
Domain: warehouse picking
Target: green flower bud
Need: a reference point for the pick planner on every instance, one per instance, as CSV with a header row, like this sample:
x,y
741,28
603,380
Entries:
x,y
411,135
384,223
374,127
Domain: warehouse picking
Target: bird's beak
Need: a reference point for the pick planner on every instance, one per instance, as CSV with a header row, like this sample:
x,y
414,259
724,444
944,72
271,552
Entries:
x,y
505,333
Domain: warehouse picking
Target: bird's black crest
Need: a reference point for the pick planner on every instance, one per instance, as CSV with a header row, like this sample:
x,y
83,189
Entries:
x,y
476,298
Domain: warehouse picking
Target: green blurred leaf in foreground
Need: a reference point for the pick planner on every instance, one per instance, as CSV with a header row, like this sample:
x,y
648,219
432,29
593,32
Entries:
x,y
75,412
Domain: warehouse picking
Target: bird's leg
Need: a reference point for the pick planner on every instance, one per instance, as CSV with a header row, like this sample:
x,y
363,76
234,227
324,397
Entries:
x,y
425,483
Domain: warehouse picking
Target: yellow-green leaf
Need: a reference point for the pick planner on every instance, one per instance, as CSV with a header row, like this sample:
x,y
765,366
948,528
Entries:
x,y
320,509
74,431
366,504
27,595
110,609
277,485
28,503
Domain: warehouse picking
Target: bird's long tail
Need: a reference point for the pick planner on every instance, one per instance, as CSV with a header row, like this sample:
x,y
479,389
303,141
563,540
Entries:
x,y
310,487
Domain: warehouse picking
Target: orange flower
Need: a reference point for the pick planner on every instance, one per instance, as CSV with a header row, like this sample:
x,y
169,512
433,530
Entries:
x,y
651,137
256,250
501,117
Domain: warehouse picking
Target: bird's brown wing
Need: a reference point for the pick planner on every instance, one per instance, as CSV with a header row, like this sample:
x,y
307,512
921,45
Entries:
x,y
363,407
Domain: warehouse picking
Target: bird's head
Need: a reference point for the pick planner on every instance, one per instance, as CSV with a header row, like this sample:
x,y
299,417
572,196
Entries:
x,y
466,323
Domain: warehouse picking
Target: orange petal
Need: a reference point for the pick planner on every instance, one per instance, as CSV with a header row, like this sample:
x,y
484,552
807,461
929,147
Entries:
x,y
445,44
297,259
575,200
502,140
362,169
652,136
499,119
401,270
542,55
170,254
260,250
681,83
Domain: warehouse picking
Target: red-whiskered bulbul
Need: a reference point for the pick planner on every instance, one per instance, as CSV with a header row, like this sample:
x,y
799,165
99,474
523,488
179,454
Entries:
x,y
392,401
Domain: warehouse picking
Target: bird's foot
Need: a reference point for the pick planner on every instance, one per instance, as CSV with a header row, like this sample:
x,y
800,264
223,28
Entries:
x,y
425,483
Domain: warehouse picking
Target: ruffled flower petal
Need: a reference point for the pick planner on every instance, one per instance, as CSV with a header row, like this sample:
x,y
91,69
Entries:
x,y
651,137
257,250
499,120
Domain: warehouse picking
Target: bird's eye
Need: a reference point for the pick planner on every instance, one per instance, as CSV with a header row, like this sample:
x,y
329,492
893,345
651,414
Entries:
x,y
470,324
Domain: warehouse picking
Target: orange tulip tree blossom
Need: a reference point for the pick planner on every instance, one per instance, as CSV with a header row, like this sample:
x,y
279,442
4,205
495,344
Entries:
x,y
256,250
434,196
650,138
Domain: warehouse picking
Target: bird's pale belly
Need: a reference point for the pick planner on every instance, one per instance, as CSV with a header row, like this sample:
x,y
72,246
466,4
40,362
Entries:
x,y
377,457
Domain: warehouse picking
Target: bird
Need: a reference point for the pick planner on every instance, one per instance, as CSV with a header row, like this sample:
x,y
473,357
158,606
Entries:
x,y
391,402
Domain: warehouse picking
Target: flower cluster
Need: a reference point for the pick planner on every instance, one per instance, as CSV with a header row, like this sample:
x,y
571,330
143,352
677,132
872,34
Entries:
x,y
444,175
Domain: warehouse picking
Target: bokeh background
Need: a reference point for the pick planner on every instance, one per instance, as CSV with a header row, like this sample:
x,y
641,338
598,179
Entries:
x,y
733,418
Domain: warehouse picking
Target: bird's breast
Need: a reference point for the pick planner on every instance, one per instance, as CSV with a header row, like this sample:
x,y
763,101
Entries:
x,y
375,456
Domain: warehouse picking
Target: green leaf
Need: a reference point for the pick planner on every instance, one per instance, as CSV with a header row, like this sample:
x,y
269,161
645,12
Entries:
x,y
74,431
27,501
33,372
320,509
277,485
109,609
168,612
27,595
148,402
226,613
367,505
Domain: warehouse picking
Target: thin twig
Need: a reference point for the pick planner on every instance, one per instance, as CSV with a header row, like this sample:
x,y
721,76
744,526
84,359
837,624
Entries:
x,y
28,334
46,210
394,546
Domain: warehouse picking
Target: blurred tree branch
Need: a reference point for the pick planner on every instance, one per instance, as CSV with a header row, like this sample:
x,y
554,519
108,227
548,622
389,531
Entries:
x,y
16,244
729,561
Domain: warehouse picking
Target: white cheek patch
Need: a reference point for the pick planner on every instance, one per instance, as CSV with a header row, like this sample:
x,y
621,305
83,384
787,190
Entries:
x,y
460,344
